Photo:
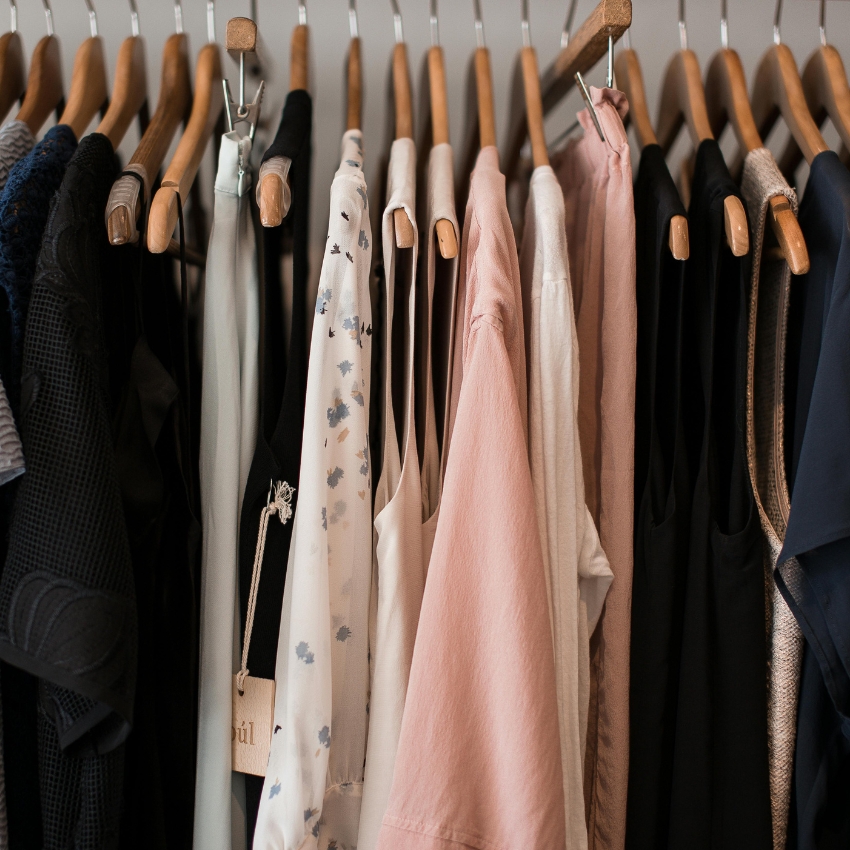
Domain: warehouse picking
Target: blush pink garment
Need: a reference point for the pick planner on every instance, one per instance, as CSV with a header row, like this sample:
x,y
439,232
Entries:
x,y
596,178
479,761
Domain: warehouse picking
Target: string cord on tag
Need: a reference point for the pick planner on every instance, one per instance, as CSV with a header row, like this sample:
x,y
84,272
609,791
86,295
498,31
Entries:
x,y
281,506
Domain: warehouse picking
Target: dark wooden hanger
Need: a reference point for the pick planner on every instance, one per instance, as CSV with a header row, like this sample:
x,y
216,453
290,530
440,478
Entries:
x,y
13,72
44,83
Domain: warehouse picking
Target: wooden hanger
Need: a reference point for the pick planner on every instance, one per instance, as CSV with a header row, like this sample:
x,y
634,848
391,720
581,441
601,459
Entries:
x,y
446,236
13,73
271,194
89,87
778,90
533,99
181,172
727,100
827,95
130,89
44,84
683,103
354,75
610,19
630,81
175,97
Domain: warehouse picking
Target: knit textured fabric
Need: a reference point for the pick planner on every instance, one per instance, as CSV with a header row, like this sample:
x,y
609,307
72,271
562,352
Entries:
x,y
770,290
16,141
67,603
11,451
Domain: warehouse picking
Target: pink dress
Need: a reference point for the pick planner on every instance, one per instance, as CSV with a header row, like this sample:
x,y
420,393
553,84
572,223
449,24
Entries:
x,y
596,178
479,760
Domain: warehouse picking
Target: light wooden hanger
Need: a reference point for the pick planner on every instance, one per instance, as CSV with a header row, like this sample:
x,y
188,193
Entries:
x,y
175,97
130,89
778,90
446,236
181,172
89,87
727,100
533,99
827,95
604,26
683,102
44,84
13,73
354,75
630,81
271,192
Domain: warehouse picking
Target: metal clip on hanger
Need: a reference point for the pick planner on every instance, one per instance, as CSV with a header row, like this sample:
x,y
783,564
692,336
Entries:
x,y
446,236
683,102
175,97
181,172
354,105
44,84
727,100
130,89
12,67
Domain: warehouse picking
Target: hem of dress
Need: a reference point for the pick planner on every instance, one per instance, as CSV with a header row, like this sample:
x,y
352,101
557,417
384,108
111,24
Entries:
x,y
429,836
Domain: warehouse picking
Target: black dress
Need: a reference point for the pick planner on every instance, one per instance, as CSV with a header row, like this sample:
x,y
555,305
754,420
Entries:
x,y
814,565
277,456
720,789
662,499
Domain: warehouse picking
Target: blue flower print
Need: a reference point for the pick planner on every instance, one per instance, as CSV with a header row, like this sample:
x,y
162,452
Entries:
x,y
358,140
339,509
310,813
338,411
325,518
352,325
315,830
345,367
363,241
343,634
302,651
335,475
353,163
322,302
325,737
362,192
274,790
363,454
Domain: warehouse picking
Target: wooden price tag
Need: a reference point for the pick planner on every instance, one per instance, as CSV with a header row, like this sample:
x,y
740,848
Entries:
x,y
251,731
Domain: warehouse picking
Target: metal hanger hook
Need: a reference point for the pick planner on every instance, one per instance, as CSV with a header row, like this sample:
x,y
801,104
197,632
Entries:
x,y
777,20
397,24
434,22
178,16
479,23
211,21
822,23
683,27
302,13
724,25
92,18
526,25
353,26
566,32
134,18
48,14
13,10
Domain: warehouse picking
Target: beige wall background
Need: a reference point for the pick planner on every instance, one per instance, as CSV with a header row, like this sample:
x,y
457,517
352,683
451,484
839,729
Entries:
x,y
654,36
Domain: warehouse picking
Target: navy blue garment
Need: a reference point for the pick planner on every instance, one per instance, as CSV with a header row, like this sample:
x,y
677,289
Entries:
x,y
814,565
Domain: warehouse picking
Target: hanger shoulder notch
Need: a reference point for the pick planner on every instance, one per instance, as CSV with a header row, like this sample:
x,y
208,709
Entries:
x,y
12,71
630,80
355,86
129,91
683,102
44,84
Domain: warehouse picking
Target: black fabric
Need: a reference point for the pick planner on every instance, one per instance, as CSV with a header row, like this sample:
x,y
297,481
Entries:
x,y
277,456
66,598
662,500
816,584
720,789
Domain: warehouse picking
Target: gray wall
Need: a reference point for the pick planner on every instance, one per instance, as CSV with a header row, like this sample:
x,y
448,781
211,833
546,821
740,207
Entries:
x,y
654,36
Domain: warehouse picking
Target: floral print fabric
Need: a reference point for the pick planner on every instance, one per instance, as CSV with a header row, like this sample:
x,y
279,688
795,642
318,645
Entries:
x,y
314,781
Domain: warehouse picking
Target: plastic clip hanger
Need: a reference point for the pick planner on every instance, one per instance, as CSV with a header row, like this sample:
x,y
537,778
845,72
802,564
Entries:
x,y
181,172
630,81
13,73
683,102
130,89
44,84
727,100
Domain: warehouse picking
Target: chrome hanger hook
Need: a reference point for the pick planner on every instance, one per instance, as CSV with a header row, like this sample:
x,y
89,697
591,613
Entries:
x,y
48,14
526,25
211,21
13,9
397,24
822,25
683,27
134,18
354,28
724,25
479,23
566,32
178,16
777,20
434,21
92,18
302,13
